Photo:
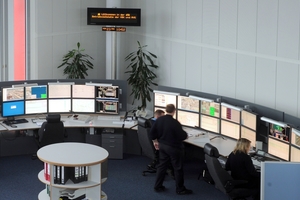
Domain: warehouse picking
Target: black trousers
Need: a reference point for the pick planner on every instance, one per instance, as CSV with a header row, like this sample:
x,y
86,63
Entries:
x,y
174,155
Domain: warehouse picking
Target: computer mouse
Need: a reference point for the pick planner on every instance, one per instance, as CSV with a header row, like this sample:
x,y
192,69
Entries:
x,y
13,126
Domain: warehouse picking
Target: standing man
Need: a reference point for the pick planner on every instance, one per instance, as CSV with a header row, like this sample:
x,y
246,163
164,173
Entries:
x,y
170,135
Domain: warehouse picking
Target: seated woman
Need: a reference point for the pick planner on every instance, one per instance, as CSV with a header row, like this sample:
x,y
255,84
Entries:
x,y
241,166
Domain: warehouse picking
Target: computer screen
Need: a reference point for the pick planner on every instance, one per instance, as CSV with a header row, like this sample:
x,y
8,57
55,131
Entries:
x,y
12,94
107,92
36,92
59,91
249,134
36,106
59,105
188,118
230,114
279,132
230,129
295,154
278,148
83,91
107,107
83,105
210,108
13,108
162,100
164,109
295,137
211,124
187,103
249,119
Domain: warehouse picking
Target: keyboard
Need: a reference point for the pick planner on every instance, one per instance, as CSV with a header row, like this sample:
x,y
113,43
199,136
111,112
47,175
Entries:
x,y
15,121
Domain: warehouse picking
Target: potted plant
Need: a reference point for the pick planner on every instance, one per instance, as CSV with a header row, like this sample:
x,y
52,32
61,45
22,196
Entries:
x,y
77,63
141,76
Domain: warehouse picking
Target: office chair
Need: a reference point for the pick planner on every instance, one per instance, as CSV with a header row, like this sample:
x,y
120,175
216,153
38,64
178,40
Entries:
x,y
144,126
52,131
223,180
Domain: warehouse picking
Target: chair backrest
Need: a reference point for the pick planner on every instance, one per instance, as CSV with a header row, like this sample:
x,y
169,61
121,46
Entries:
x,y
144,127
52,131
219,174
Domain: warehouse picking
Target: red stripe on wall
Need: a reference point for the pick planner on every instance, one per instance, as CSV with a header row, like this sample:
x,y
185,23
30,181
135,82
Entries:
x,y
19,39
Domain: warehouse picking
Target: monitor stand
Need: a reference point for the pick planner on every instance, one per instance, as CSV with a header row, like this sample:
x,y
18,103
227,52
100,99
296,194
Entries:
x,y
12,120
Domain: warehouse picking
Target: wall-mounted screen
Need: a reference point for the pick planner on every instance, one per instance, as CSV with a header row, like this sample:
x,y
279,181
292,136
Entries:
x,y
12,94
249,119
295,154
279,132
210,108
295,137
211,124
107,107
230,129
249,134
13,108
163,100
36,106
278,148
59,91
187,103
83,91
83,105
59,105
36,92
188,118
230,114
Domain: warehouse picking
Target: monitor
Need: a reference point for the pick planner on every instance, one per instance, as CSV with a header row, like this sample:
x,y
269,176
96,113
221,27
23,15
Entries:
x,y
83,91
59,91
279,132
59,105
295,154
162,100
211,124
36,106
230,129
36,92
210,108
278,148
12,94
249,119
13,108
249,134
164,109
230,114
187,103
107,107
295,137
188,118
83,105
107,93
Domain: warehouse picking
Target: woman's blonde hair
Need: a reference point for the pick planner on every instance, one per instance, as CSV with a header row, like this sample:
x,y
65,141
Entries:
x,y
242,145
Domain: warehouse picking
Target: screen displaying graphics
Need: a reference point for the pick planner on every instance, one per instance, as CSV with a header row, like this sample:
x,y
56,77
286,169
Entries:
x,y
211,124
249,119
230,129
107,92
12,108
164,99
187,103
188,118
83,105
83,91
59,105
59,91
108,107
12,94
295,154
36,92
230,114
36,106
210,108
278,132
278,148
295,137
249,134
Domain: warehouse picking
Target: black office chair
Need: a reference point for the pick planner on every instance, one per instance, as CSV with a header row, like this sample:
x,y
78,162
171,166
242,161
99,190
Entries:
x,y
144,126
223,180
52,131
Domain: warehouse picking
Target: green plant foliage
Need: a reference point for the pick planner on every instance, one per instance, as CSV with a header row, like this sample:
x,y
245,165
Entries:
x,y
140,72
76,63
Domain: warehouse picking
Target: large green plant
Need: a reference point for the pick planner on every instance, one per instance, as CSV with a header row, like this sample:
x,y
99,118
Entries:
x,y
141,75
76,63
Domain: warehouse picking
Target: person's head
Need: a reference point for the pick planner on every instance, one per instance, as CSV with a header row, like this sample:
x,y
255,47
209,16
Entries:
x,y
158,113
170,109
243,145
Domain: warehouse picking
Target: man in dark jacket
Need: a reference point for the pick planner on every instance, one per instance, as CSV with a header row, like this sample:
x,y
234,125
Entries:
x,y
170,135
